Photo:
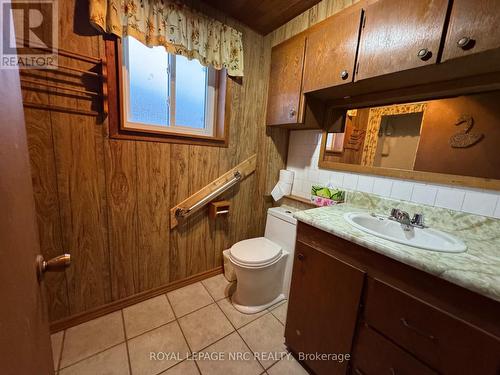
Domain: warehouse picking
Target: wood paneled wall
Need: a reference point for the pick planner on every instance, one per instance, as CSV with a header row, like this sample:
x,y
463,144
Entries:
x,y
313,15
107,201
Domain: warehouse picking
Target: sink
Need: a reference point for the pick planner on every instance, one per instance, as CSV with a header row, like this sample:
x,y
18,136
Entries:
x,y
423,238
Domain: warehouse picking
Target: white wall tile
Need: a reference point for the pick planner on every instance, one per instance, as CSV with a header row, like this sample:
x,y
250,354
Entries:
x,y
480,203
402,190
450,198
350,181
365,183
324,176
424,194
296,186
313,175
382,186
337,179
306,187
496,214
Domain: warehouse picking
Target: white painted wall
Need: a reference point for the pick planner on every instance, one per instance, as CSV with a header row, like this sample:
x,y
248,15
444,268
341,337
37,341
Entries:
x,y
303,155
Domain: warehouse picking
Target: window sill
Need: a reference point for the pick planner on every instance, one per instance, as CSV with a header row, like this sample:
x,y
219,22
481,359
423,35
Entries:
x,y
179,138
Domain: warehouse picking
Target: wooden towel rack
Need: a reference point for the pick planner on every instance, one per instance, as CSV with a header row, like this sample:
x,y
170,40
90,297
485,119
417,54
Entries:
x,y
58,89
211,191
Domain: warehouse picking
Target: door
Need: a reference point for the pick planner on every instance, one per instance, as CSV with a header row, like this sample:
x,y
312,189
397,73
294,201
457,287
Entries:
x,y
331,51
284,101
473,28
399,35
323,308
24,332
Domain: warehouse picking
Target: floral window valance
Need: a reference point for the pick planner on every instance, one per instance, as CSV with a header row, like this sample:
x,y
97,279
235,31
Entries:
x,y
179,29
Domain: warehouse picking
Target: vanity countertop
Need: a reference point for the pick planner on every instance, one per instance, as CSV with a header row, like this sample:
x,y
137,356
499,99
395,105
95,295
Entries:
x,y
477,269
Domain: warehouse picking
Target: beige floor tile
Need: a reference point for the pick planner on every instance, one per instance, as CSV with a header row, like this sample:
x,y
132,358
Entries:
x,y
237,318
91,337
189,298
147,315
219,287
112,361
166,343
56,340
266,337
205,326
276,305
280,312
287,366
187,367
223,363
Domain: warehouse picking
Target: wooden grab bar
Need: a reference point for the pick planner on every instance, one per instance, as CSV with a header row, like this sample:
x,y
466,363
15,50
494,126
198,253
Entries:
x,y
211,191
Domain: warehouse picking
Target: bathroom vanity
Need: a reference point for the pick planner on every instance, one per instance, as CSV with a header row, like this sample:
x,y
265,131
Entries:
x,y
394,308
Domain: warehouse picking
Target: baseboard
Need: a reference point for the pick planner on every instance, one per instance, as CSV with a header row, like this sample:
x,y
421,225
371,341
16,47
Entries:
x,y
85,316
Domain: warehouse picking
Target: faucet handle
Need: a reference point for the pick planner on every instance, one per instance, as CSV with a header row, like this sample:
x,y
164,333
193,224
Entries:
x,y
418,220
394,212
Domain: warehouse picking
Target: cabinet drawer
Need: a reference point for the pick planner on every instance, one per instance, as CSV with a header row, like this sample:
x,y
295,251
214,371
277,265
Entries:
x,y
442,341
373,354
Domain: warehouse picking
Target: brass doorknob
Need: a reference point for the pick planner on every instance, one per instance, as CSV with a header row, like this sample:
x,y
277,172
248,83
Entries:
x,y
57,264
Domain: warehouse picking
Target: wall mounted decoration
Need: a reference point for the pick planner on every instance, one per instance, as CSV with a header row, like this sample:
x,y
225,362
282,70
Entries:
x,y
464,139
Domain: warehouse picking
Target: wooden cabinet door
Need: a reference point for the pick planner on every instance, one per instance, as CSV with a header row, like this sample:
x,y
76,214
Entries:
x,y
331,51
323,308
473,28
284,100
399,35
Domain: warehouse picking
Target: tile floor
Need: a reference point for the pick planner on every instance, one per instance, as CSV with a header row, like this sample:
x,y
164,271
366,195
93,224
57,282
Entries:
x,y
192,330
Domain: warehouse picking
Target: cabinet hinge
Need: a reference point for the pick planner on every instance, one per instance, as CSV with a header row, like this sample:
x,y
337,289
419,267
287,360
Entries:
x,y
364,21
357,67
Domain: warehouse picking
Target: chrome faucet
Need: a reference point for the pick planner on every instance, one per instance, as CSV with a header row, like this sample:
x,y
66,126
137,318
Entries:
x,y
418,221
403,218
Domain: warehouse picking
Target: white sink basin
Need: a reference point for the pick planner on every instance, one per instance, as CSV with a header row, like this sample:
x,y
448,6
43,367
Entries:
x,y
426,238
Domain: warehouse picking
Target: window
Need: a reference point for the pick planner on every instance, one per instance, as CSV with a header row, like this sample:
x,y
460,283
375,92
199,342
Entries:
x,y
168,96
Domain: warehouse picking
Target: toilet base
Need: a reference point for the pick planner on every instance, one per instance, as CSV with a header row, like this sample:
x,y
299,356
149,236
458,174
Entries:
x,y
256,309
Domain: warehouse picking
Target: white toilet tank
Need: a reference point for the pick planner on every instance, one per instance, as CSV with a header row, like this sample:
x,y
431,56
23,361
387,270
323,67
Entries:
x,y
281,228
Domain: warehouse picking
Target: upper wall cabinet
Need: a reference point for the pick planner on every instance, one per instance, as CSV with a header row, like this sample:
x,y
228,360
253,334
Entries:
x,y
331,50
473,28
399,35
285,99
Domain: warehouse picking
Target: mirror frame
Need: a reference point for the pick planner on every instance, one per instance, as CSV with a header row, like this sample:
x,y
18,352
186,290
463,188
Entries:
x,y
429,177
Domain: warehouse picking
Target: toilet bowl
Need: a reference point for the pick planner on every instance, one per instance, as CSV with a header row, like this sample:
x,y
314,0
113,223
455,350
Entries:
x,y
263,265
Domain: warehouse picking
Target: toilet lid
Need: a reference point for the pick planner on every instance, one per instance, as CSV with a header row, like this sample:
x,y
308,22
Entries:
x,y
255,251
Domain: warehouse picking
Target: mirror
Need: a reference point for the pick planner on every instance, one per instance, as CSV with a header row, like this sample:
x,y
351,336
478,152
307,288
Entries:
x,y
452,141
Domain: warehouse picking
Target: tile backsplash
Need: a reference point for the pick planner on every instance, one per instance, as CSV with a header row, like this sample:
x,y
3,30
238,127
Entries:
x,y
303,155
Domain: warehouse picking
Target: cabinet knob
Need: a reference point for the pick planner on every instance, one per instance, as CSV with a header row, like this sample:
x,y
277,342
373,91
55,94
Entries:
x,y
424,54
344,74
292,112
300,256
465,42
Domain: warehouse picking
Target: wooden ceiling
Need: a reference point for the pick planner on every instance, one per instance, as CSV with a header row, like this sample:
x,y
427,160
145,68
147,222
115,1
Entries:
x,y
263,15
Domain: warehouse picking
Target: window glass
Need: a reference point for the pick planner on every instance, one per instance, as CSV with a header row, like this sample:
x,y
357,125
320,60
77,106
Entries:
x,y
148,83
190,92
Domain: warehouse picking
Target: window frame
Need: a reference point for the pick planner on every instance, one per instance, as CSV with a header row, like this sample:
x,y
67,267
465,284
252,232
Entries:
x,y
115,106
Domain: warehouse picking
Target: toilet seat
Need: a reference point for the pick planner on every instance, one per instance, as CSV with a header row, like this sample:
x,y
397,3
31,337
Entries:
x,y
255,252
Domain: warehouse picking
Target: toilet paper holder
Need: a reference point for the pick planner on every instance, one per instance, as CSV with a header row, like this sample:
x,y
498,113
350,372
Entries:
x,y
218,208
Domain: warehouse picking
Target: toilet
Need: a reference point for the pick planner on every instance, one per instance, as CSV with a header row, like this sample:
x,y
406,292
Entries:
x,y
263,265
